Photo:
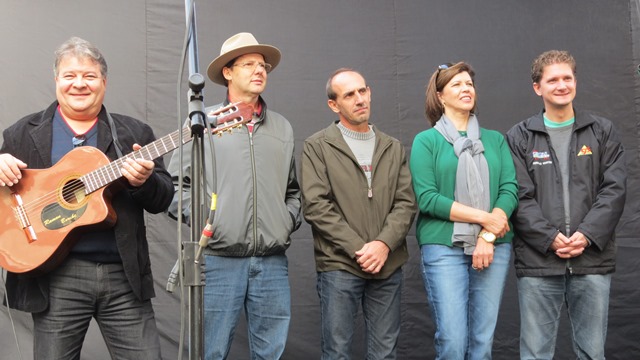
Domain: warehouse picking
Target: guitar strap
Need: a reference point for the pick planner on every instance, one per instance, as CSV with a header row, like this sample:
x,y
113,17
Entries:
x,y
114,135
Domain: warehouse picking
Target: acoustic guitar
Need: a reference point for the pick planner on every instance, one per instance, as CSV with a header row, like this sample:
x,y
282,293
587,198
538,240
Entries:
x,y
43,214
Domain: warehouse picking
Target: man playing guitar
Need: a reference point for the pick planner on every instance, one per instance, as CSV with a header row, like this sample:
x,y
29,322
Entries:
x,y
107,273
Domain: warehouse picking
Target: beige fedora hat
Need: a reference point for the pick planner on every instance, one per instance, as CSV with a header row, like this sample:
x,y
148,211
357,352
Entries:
x,y
237,45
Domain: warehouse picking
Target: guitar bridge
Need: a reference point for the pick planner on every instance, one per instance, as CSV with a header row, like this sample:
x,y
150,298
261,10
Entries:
x,y
24,219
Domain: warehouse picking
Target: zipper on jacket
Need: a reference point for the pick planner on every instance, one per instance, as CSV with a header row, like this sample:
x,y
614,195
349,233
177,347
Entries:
x,y
374,160
558,178
355,161
255,189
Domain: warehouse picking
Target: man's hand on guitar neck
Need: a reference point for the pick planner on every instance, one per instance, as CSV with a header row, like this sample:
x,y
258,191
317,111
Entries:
x,y
10,169
137,171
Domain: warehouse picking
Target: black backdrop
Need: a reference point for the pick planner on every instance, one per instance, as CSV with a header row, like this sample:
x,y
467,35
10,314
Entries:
x,y
396,44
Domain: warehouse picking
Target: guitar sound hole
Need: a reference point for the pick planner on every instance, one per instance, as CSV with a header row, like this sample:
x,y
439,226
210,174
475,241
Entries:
x,y
73,192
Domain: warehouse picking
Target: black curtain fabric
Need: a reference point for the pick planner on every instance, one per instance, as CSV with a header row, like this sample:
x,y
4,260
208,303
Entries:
x,y
396,45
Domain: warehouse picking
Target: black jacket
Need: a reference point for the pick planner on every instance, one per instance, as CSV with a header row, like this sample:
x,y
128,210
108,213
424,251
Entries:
x,y
597,184
30,141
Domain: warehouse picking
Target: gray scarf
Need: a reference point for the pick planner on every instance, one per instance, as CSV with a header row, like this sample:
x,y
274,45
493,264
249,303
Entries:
x,y
472,177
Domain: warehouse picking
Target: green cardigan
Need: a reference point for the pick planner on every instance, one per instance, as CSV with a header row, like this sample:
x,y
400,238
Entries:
x,y
433,167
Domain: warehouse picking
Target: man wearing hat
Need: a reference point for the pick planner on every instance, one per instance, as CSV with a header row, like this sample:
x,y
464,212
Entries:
x,y
258,207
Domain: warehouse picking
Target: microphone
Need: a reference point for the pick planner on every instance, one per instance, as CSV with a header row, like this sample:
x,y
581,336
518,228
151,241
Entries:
x,y
196,105
207,233
173,280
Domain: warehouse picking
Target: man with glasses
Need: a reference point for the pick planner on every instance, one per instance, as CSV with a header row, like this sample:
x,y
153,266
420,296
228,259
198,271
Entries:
x,y
358,199
571,171
107,274
258,207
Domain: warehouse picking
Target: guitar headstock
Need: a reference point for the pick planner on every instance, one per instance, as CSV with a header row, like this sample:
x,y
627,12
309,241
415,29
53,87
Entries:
x,y
231,116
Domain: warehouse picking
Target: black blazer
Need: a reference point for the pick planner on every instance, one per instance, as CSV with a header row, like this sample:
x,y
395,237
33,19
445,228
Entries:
x,y
30,141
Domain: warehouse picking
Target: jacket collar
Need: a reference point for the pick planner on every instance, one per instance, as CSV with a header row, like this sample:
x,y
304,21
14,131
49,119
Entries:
x,y
536,122
263,112
333,136
42,132
105,139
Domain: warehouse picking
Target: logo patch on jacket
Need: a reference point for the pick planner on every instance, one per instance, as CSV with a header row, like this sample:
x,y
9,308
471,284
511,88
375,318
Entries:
x,y
541,157
585,150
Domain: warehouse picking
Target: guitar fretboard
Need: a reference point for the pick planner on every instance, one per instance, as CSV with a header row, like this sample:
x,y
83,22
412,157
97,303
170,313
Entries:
x,y
232,116
109,173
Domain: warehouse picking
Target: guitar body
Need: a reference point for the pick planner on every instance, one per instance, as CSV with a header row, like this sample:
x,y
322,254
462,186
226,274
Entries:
x,y
42,215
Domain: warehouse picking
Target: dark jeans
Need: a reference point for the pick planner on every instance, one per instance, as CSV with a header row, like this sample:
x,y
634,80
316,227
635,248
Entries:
x,y
341,294
81,290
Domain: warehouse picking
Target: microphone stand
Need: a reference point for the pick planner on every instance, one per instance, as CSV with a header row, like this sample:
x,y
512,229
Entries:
x,y
192,265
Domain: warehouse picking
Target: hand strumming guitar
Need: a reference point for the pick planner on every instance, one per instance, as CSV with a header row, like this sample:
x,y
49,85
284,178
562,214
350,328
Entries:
x,y
10,172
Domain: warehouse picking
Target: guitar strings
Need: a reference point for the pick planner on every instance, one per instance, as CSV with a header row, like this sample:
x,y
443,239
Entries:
x,y
115,166
101,173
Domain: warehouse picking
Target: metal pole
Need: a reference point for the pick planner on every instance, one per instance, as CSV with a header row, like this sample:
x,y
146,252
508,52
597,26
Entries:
x,y
193,277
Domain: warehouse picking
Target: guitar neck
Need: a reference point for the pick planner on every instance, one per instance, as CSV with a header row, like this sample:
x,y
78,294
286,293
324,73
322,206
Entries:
x,y
227,118
107,174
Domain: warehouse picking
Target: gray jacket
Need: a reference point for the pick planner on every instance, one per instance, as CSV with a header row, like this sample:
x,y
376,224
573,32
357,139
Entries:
x,y
258,196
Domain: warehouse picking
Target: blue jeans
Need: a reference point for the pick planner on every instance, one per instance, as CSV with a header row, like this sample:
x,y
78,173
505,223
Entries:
x,y
464,302
541,300
341,293
257,285
80,290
